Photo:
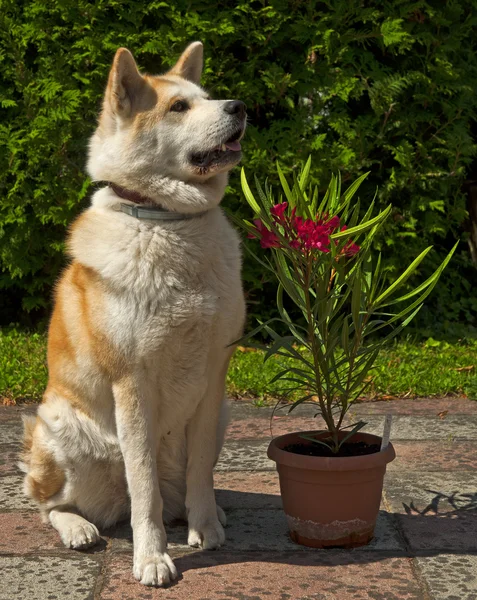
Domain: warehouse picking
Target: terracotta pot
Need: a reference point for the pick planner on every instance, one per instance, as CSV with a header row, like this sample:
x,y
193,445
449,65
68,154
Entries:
x,y
330,502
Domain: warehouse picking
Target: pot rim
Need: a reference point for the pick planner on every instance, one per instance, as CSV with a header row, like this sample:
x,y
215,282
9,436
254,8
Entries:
x,y
322,463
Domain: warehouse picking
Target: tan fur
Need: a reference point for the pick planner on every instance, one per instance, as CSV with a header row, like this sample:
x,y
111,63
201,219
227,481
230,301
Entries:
x,y
133,416
44,477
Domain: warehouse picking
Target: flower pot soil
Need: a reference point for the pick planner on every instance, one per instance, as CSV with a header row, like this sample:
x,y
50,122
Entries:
x,y
346,449
330,501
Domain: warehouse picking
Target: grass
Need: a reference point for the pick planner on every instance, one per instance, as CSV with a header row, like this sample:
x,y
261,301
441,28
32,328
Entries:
x,y
406,369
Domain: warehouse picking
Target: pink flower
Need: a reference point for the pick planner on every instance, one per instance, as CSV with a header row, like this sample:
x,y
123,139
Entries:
x,y
302,234
278,212
312,235
350,248
333,224
267,238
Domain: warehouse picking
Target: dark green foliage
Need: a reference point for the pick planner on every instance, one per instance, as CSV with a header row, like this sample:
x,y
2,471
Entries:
x,y
388,87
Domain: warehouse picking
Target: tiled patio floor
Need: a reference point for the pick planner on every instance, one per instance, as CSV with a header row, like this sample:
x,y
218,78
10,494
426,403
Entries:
x,y
425,545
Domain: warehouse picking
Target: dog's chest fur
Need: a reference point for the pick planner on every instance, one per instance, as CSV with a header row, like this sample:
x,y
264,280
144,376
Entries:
x,y
171,291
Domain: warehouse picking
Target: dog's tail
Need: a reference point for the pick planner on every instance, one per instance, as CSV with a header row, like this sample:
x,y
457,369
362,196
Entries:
x,y
44,478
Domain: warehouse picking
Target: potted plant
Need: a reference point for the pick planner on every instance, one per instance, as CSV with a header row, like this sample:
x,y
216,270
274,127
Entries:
x,y
337,313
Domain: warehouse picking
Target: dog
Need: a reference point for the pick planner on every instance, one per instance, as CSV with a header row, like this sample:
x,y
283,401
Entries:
x,y
144,320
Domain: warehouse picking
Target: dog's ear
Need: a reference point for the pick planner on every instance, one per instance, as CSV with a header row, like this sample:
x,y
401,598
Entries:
x,y
124,83
190,64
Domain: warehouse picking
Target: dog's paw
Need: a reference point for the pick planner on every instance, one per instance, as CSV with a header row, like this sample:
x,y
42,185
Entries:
x,y
209,536
80,536
157,570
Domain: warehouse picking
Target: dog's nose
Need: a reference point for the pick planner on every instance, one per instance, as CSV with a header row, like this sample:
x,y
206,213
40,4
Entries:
x,y
235,107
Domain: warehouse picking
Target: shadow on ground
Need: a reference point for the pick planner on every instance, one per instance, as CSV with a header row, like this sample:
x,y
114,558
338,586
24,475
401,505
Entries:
x,y
444,526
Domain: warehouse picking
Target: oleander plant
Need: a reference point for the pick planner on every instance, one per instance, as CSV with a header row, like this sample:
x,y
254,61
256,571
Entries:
x,y
320,252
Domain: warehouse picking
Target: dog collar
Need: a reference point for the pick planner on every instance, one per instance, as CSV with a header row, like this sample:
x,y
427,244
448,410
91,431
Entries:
x,y
151,210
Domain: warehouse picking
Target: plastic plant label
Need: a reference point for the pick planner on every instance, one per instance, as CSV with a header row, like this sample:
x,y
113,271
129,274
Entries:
x,y
386,432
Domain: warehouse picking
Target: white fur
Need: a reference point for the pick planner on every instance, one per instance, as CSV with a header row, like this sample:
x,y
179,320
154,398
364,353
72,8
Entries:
x,y
172,304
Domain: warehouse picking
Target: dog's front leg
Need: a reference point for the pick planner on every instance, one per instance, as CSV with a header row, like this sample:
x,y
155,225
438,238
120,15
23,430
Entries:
x,y
135,425
205,528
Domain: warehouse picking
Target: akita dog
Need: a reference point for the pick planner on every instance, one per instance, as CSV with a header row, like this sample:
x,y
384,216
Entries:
x,y
133,418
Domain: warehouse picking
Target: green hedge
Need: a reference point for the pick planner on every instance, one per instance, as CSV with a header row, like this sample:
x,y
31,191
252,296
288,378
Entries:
x,y
388,88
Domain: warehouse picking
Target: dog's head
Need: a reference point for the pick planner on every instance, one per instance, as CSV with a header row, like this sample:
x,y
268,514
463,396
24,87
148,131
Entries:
x,y
165,125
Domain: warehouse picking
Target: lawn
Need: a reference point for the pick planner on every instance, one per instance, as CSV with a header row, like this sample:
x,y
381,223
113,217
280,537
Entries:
x,y
407,368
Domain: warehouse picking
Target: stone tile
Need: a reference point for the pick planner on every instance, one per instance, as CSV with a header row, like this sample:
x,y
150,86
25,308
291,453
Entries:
x,y
12,496
417,406
269,428
443,532
11,433
24,532
249,490
258,531
48,577
450,576
405,427
244,409
460,427
424,492
9,456
238,456
14,413
432,455
435,455
282,576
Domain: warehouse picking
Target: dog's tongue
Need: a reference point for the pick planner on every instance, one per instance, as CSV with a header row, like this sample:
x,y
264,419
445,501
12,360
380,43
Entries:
x,y
235,146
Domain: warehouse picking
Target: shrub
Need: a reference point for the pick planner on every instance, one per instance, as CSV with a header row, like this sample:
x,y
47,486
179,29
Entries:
x,y
387,88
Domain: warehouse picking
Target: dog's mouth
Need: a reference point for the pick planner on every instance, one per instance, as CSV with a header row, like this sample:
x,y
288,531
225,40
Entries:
x,y
227,152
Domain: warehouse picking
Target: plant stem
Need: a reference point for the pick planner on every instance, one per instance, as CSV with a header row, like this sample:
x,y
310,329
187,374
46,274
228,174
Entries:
x,y
327,415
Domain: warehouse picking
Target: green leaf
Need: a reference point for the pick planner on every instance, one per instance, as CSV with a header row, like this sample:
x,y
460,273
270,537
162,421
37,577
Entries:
x,y
248,194
310,438
407,273
289,196
356,300
430,281
362,227
305,173
355,429
351,191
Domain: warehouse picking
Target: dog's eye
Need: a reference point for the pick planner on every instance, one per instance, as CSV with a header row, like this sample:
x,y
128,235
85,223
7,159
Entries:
x,y
179,106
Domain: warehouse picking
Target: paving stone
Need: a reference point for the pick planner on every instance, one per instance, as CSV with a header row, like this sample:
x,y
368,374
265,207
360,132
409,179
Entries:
x,y
438,455
258,531
430,492
450,576
15,412
460,427
417,406
405,427
12,496
242,410
11,433
48,577
254,428
246,489
443,532
24,532
432,486
240,456
435,455
9,456
281,576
